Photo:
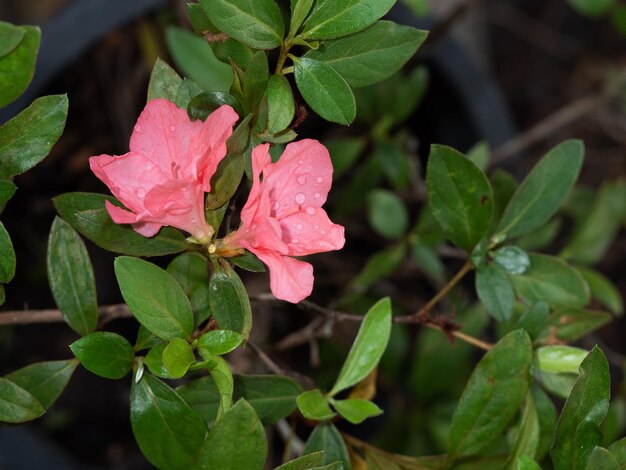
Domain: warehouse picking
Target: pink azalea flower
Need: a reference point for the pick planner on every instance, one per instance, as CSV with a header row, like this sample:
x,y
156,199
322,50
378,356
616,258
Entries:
x,y
162,180
283,216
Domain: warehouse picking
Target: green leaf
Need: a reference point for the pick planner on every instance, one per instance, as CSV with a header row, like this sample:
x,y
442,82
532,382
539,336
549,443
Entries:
x,y
368,347
155,298
306,462
225,181
272,397
223,379
618,450
205,103
168,432
512,259
10,37
578,430
395,163
164,82
7,190
26,139
527,435
344,152
460,196
326,438
601,459
603,290
145,339
218,342
597,230
256,23
44,380
236,441
71,278
255,81
154,361
480,154
592,8
336,18
281,107
299,10
18,66
195,58
526,463
328,94
7,260
495,291
534,318
571,324
177,357
546,412
229,301
492,396
314,405
356,410
86,213
560,359
372,55
379,265
16,404
553,281
544,189
187,91
105,354
191,272
387,214
542,237
249,262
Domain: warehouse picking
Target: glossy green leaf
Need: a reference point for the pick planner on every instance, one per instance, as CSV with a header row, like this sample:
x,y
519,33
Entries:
x,y
594,234
224,382
356,410
105,354
331,19
236,441
168,432
218,342
26,139
229,301
255,81
306,462
547,414
205,103
492,396
571,324
578,429
328,94
86,213
326,438
191,272
368,347
195,58
459,195
299,10
44,380
164,82
7,260
602,459
553,281
187,91
272,397
155,298
280,103
10,37
534,318
372,55
177,357
495,291
16,404
560,359
225,181
256,23
7,190
314,405
71,278
145,339
154,361
544,189
603,290
511,259
527,435
618,450
18,66
387,214
526,463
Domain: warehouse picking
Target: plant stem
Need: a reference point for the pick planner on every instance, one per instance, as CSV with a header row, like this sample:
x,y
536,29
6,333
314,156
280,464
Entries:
x,y
284,52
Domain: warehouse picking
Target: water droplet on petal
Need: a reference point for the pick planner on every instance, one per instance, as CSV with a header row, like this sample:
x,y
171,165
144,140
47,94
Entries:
x,y
137,128
301,179
323,232
300,198
295,240
317,195
316,227
140,192
310,210
172,128
301,161
299,226
320,179
276,206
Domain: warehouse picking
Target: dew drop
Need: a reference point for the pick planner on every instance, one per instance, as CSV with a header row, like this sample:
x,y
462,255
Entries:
x,y
137,128
301,179
300,161
317,195
299,226
323,232
276,206
140,192
172,128
320,179
310,210
295,240
300,198
316,227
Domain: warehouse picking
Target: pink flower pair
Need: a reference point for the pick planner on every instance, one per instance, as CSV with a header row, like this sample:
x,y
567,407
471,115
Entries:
x,y
162,180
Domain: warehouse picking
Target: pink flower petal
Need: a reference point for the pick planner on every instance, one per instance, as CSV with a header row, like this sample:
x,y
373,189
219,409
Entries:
x,y
121,216
311,231
290,279
255,204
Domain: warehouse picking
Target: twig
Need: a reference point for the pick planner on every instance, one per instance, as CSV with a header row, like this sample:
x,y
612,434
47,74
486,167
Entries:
x,y
106,313
276,369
